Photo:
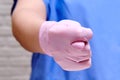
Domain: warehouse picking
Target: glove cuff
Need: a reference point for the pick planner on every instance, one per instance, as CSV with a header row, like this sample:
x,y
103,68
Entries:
x,y
43,36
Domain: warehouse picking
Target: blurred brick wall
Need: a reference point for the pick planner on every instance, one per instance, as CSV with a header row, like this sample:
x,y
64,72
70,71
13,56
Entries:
x,y
14,60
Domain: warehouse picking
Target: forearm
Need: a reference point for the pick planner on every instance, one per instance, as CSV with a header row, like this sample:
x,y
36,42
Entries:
x,y
25,26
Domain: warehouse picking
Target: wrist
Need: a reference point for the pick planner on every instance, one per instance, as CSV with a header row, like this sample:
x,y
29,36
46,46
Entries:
x,y
43,36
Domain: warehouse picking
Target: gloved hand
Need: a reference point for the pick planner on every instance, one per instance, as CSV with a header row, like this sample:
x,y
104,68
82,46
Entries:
x,y
67,42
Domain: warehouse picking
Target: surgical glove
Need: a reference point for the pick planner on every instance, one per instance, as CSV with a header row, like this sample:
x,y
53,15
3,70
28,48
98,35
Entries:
x,y
67,42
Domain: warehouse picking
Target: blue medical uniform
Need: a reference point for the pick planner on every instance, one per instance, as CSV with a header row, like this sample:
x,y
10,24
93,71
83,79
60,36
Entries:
x,y
103,17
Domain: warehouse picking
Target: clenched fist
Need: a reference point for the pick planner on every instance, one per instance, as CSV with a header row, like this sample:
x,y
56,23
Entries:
x,y
67,42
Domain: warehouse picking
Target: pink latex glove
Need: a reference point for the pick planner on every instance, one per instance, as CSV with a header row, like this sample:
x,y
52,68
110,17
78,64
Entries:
x,y
67,42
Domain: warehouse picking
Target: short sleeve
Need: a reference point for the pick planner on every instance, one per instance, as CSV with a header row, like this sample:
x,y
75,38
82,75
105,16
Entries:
x,y
13,6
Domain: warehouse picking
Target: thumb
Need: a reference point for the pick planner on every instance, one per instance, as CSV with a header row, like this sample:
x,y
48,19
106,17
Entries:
x,y
78,45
